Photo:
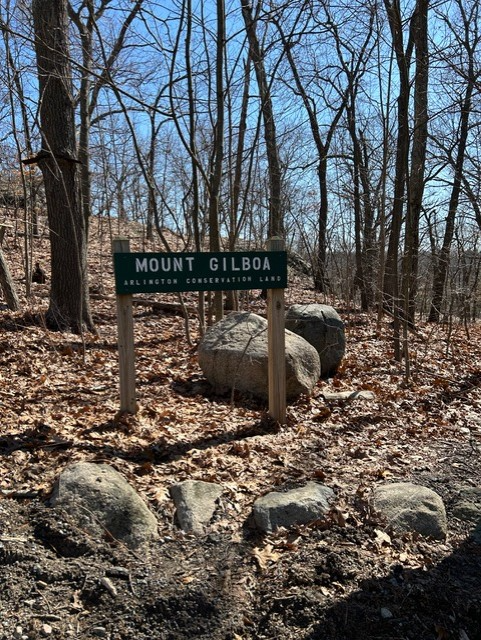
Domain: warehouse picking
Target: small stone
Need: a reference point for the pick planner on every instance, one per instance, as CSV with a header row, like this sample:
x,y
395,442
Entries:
x,y
109,586
297,506
196,502
46,629
18,632
117,572
386,614
100,632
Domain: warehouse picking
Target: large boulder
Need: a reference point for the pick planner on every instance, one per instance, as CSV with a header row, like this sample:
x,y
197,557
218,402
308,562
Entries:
x,y
233,354
410,507
322,327
102,501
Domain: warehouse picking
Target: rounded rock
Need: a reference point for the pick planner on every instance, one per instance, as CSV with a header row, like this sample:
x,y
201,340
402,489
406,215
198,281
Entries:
x,y
410,507
323,328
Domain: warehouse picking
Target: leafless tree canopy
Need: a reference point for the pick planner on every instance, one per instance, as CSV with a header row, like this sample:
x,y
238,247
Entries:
x,y
350,129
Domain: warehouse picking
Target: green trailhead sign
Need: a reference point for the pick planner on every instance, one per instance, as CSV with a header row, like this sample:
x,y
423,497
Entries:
x,y
164,272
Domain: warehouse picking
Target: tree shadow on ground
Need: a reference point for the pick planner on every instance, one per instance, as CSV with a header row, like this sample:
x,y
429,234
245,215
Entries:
x,y
44,437
442,602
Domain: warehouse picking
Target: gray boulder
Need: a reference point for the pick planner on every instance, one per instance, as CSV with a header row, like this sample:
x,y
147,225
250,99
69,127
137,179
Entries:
x,y
297,506
467,508
195,502
233,354
322,327
102,501
411,507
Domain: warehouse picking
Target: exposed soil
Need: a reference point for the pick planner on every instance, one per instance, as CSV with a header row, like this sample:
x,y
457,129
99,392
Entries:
x,y
345,577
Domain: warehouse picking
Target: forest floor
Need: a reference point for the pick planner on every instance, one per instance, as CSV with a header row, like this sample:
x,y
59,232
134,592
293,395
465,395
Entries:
x,y
343,578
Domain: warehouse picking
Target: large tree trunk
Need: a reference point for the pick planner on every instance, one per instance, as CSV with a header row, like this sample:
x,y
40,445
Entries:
x,y
69,304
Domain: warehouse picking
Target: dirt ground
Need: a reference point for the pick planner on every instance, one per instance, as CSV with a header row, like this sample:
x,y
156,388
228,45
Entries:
x,y
345,577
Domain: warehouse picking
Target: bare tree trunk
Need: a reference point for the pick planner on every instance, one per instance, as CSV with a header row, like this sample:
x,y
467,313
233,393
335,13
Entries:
x,y
89,90
443,260
8,286
85,31
419,28
391,282
232,301
385,120
363,215
152,212
193,156
391,277
218,159
353,70
369,235
15,84
320,267
276,223
69,303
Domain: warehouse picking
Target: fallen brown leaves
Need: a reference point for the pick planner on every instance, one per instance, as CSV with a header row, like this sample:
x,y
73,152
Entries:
x,y
59,404
59,399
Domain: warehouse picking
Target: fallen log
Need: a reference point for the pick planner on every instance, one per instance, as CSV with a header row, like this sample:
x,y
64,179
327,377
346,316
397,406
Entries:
x,y
169,307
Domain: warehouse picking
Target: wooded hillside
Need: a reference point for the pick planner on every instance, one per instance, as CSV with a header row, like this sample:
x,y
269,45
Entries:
x,y
348,574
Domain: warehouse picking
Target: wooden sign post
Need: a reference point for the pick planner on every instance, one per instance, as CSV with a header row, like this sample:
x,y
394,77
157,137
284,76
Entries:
x,y
125,323
276,345
165,272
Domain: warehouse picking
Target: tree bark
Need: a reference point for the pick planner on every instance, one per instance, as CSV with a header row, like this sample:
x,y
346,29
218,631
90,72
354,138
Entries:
x,y
69,304
86,39
391,277
7,285
215,182
418,158
392,297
